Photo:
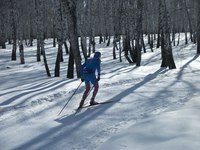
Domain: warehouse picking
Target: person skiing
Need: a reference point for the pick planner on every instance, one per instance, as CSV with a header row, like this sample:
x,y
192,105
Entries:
x,y
88,74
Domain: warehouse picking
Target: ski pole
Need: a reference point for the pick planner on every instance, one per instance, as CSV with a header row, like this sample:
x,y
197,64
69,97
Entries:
x,y
69,99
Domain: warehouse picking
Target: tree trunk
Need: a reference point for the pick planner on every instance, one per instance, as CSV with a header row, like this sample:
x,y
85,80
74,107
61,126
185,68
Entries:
x,y
66,48
143,45
189,21
151,43
93,44
38,50
21,52
198,29
40,33
2,43
139,36
44,58
100,39
166,48
14,48
174,36
84,46
178,39
186,39
120,50
70,71
89,46
54,36
58,60
2,31
114,47
127,47
73,35
108,43
60,36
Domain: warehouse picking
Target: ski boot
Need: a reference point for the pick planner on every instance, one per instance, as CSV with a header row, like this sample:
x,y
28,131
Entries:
x,y
93,102
81,104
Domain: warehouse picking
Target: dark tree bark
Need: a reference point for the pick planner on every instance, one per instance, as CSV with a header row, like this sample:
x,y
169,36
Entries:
x,y
70,71
60,36
21,52
139,34
89,46
100,39
189,20
93,44
127,48
186,38
198,28
40,33
166,48
2,43
151,43
70,6
143,45
120,50
38,50
84,46
58,60
2,31
114,47
38,53
44,59
108,43
66,48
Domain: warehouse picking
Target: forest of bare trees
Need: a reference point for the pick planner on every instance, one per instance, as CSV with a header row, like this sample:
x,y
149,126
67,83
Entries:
x,y
125,22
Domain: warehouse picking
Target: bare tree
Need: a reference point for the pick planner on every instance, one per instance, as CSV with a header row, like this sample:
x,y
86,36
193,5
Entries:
x,y
139,35
13,28
3,7
128,21
40,33
198,28
166,48
70,6
60,35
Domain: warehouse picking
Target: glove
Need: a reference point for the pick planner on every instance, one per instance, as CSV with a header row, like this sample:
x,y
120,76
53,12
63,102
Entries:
x,y
98,78
82,80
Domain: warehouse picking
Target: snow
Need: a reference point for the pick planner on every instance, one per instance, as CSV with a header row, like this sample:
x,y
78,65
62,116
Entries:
x,y
153,108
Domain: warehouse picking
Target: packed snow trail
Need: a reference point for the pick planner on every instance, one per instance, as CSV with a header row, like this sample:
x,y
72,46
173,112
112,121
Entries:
x,y
30,103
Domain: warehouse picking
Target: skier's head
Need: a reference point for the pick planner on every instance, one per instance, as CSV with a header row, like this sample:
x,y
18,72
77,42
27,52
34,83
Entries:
x,y
97,55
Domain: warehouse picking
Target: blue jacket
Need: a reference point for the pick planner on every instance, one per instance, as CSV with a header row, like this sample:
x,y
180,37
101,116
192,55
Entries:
x,y
89,68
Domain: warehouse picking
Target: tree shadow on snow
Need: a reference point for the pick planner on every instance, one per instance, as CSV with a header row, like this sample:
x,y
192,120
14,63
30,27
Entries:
x,y
72,123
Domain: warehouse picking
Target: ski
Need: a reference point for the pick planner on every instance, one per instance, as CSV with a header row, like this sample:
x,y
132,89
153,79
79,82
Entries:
x,y
86,106
99,103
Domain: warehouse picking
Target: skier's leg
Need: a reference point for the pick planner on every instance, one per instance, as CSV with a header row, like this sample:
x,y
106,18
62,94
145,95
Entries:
x,y
96,88
87,89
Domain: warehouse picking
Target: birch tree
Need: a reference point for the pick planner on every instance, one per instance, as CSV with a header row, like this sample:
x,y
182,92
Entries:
x,y
60,35
70,6
198,28
40,33
166,48
3,7
13,28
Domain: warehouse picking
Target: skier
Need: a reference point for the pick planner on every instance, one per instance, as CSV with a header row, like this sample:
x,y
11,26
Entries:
x,y
88,74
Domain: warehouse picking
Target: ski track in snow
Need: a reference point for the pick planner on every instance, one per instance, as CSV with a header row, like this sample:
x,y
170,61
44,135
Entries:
x,y
109,129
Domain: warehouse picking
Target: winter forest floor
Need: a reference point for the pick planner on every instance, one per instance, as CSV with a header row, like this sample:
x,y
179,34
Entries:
x,y
153,108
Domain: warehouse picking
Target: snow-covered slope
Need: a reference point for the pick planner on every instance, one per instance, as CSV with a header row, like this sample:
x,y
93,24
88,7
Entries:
x,y
153,108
